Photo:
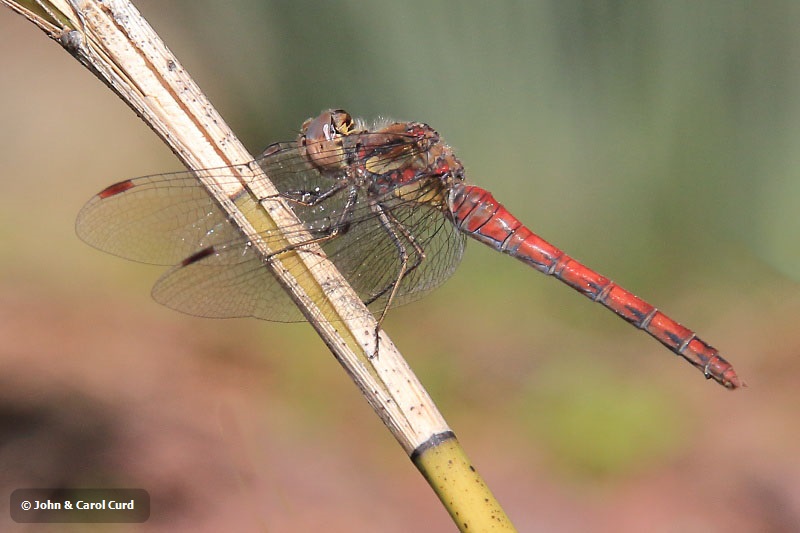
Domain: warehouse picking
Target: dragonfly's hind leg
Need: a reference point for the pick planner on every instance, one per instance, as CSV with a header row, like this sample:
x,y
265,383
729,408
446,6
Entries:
x,y
397,233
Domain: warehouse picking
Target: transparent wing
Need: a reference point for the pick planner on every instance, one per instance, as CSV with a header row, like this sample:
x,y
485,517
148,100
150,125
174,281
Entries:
x,y
231,281
170,218
378,265
226,283
164,218
154,219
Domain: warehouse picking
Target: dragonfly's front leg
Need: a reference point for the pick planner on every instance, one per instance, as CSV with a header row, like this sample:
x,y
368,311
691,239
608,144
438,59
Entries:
x,y
312,198
342,225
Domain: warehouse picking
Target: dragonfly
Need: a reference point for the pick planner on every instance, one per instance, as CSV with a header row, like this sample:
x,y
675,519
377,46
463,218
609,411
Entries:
x,y
388,204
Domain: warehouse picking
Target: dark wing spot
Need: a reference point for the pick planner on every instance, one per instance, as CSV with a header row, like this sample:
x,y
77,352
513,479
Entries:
x,y
117,188
198,256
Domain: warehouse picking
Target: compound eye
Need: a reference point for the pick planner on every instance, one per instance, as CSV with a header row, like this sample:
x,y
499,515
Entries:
x,y
328,125
318,128
341,122
321,138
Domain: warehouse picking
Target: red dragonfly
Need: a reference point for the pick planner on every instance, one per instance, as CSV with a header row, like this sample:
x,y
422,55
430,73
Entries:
x,y
388,205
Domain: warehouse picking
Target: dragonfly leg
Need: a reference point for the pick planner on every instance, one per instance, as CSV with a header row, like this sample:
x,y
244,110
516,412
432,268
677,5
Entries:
x,y
397,233
419,257
342,225
308,198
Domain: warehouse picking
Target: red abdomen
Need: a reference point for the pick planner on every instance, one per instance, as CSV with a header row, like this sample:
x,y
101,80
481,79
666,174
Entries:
x,y
476,213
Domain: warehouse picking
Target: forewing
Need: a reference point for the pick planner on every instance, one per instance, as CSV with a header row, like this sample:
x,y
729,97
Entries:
x,y
155,219
162,219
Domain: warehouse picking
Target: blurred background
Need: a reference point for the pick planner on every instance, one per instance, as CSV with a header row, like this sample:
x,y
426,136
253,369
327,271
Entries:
x,y
657,142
